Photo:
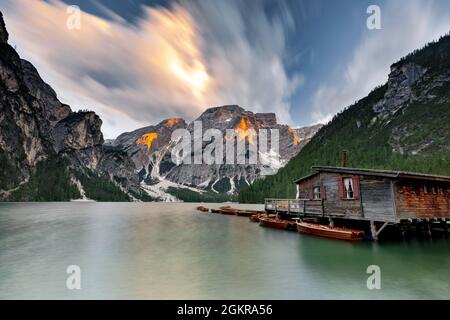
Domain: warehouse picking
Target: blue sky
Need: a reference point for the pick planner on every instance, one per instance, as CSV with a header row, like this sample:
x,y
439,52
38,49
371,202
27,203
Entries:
x,y
137,62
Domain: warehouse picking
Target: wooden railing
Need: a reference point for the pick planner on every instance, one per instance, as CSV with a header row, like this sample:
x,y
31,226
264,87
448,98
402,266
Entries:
x,y
295,206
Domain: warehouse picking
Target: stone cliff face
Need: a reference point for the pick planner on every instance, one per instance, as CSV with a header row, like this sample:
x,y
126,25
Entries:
x,y
77,131
3,31
409,83
35,125
23,136
400,83
412,84
149,157
53,109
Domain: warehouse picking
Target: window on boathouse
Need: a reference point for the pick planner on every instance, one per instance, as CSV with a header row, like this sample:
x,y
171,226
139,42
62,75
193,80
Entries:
x,y
316,193
348,188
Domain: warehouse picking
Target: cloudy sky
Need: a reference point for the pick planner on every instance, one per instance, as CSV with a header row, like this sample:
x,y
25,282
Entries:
x,y
136,62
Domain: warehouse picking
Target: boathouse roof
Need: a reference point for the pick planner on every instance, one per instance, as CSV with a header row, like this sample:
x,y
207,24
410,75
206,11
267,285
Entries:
x,y
373,172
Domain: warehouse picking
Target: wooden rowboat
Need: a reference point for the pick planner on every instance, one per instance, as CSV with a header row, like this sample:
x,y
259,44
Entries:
x,y
277,223
244,213
202,209
255,212
229,211
330,232
256,217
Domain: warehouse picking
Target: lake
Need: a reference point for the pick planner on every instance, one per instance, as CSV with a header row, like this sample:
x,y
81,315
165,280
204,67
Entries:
x,y
172,251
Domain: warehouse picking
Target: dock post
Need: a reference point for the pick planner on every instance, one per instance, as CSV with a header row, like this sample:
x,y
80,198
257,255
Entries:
x,y
373,230
403,234
445,227
418,228
428,229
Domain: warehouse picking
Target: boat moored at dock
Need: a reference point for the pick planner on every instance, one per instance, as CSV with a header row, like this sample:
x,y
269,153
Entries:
x,y
202,209
276,223
330,232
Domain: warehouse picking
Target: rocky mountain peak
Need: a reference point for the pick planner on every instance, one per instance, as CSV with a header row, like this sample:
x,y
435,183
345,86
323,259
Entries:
x,y
224,108
400,87
231,116
420,77
54,110
266,119
3,32
79,130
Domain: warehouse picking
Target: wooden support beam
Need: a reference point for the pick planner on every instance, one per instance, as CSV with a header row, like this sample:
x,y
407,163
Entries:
x,y
373,230
382,228
445,228
403,234
401,231
418,228
428,229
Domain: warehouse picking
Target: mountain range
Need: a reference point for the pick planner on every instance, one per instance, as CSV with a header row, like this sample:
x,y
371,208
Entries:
x,y
50,153
159,174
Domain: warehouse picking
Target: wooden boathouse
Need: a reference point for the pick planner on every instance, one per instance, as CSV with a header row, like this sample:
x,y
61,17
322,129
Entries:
x,y
378,198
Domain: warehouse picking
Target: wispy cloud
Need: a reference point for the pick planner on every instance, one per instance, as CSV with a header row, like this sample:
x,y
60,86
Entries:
x,y
174,61
406,26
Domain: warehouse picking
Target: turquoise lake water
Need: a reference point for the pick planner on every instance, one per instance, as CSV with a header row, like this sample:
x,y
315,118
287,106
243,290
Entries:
x,y
171,251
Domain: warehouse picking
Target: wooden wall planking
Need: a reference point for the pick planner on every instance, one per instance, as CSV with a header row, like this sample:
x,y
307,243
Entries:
x,y
419,204
376,197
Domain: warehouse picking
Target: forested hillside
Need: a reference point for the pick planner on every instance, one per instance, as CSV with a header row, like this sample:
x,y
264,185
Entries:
x,y
402,125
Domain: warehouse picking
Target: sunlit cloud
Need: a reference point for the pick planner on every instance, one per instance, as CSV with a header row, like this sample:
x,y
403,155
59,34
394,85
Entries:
x,y
172,62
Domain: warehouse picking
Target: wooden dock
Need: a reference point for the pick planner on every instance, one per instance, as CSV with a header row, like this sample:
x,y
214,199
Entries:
x,y
296,206
307,209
